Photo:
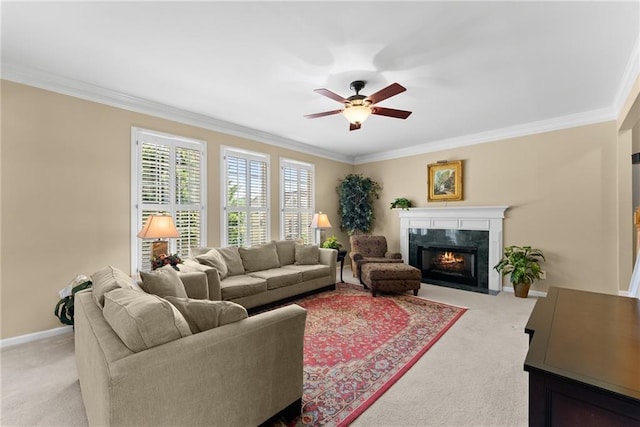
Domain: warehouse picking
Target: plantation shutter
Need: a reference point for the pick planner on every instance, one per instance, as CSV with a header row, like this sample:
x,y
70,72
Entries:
x,y
297,199
170,174
188,203
246,198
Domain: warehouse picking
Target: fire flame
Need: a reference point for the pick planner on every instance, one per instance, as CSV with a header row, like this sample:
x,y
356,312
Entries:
x,y
450,258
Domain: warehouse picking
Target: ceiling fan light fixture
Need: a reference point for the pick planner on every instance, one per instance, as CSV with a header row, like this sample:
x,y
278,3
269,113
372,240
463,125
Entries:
x,y
357,114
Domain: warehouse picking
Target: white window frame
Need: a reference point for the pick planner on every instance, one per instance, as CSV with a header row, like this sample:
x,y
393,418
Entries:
x,y
248,155
296,164
174,141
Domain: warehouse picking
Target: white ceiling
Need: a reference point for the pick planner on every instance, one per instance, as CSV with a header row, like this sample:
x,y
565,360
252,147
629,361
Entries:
x,y
473,70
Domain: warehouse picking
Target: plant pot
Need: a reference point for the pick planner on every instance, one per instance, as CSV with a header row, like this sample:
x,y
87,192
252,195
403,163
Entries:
x,y
521,290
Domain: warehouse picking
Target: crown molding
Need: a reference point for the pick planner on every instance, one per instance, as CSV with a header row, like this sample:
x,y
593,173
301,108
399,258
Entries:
x,y
40,79
631,73
79,89
557,123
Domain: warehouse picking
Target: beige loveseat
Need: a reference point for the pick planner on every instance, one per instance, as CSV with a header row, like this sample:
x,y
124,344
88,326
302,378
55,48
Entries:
x,y
141,366
262,274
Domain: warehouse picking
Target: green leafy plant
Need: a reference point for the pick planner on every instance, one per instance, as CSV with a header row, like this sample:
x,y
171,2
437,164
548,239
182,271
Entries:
x,y
401,202
331,243
522,262
356,197
65,307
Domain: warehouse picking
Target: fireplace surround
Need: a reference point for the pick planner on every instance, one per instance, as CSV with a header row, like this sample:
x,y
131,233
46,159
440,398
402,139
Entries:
x,y
464,226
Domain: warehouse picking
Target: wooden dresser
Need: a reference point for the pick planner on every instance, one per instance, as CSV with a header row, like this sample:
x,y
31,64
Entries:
x,y
584,360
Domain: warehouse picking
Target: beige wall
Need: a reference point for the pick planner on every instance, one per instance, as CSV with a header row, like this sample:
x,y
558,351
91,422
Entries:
x,y
562,189
65,199
66,192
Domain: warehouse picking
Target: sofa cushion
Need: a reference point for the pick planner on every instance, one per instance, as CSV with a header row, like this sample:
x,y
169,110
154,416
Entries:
x,y
310,272
307,254
259,257
213,259
286,251
278,277
232,259
202,315
107,279
142,320
242,286
163,282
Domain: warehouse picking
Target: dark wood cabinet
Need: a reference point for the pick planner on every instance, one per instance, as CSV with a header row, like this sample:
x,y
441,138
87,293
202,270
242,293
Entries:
x,y
584,360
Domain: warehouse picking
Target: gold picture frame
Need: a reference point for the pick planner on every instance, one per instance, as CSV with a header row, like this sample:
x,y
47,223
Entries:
x,y
444,181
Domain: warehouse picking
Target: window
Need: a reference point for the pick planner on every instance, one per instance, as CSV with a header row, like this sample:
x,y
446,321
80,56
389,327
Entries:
x,y
168,176
296,199
245,197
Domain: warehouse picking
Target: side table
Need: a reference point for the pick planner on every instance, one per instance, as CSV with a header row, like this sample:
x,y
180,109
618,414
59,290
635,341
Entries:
x,y
341,256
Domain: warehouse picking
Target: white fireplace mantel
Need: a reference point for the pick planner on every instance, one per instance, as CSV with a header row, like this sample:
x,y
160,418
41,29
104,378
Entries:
x,y
461,218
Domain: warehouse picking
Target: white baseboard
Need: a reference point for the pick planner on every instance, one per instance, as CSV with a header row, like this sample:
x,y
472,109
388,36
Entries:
x,y
8,342
531,292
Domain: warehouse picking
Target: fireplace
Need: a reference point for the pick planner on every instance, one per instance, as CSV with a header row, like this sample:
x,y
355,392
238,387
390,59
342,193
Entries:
x,y
453,264
474,231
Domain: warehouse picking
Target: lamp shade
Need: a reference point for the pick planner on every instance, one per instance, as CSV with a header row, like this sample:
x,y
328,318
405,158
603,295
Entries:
x,y
320,220
158,227
357,114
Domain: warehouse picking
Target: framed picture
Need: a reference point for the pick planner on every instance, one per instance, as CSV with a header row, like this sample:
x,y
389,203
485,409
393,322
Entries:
x,y
444,181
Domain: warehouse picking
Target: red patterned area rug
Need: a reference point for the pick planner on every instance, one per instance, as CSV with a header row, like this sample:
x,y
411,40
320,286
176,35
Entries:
x,y
357,346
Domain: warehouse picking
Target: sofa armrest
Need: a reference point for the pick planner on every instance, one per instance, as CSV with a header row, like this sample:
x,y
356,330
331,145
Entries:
x,y
393,255
206,378
213,277
329,257
195,284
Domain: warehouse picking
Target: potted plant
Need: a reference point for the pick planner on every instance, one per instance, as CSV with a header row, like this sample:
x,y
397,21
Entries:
x,y
522,262
401,203
331,243
356,195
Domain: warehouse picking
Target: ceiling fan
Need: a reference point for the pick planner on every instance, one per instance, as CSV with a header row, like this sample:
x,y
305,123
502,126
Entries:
x,y
357,108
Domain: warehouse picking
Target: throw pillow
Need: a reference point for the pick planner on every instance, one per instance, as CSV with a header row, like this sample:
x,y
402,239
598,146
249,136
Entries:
x,y
307,254
215,260
287,251
163,282
143,321
202,315
232,259
107,279
260,257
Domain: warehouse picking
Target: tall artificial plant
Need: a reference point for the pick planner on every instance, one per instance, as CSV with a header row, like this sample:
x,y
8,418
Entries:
x,y
356,196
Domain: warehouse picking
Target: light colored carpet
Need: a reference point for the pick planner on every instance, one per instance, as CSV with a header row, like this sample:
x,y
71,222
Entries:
x,y
473,376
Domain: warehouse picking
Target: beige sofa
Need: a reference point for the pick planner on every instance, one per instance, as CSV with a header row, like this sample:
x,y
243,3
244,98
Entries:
x,y
236,374
262,274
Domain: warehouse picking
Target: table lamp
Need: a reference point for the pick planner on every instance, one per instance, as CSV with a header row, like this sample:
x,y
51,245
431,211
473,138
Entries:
x,y
320,222
159,227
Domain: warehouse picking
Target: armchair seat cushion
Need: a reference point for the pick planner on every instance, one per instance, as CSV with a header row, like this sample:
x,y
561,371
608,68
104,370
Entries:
x,y
379,259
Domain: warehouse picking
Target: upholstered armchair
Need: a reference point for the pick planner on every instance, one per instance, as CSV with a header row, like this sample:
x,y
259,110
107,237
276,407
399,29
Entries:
x,y
366,248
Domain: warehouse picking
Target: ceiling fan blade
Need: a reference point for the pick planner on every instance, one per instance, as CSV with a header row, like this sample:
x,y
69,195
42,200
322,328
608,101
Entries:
x,y
332,95
326,113
390,112
387,92
354,126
